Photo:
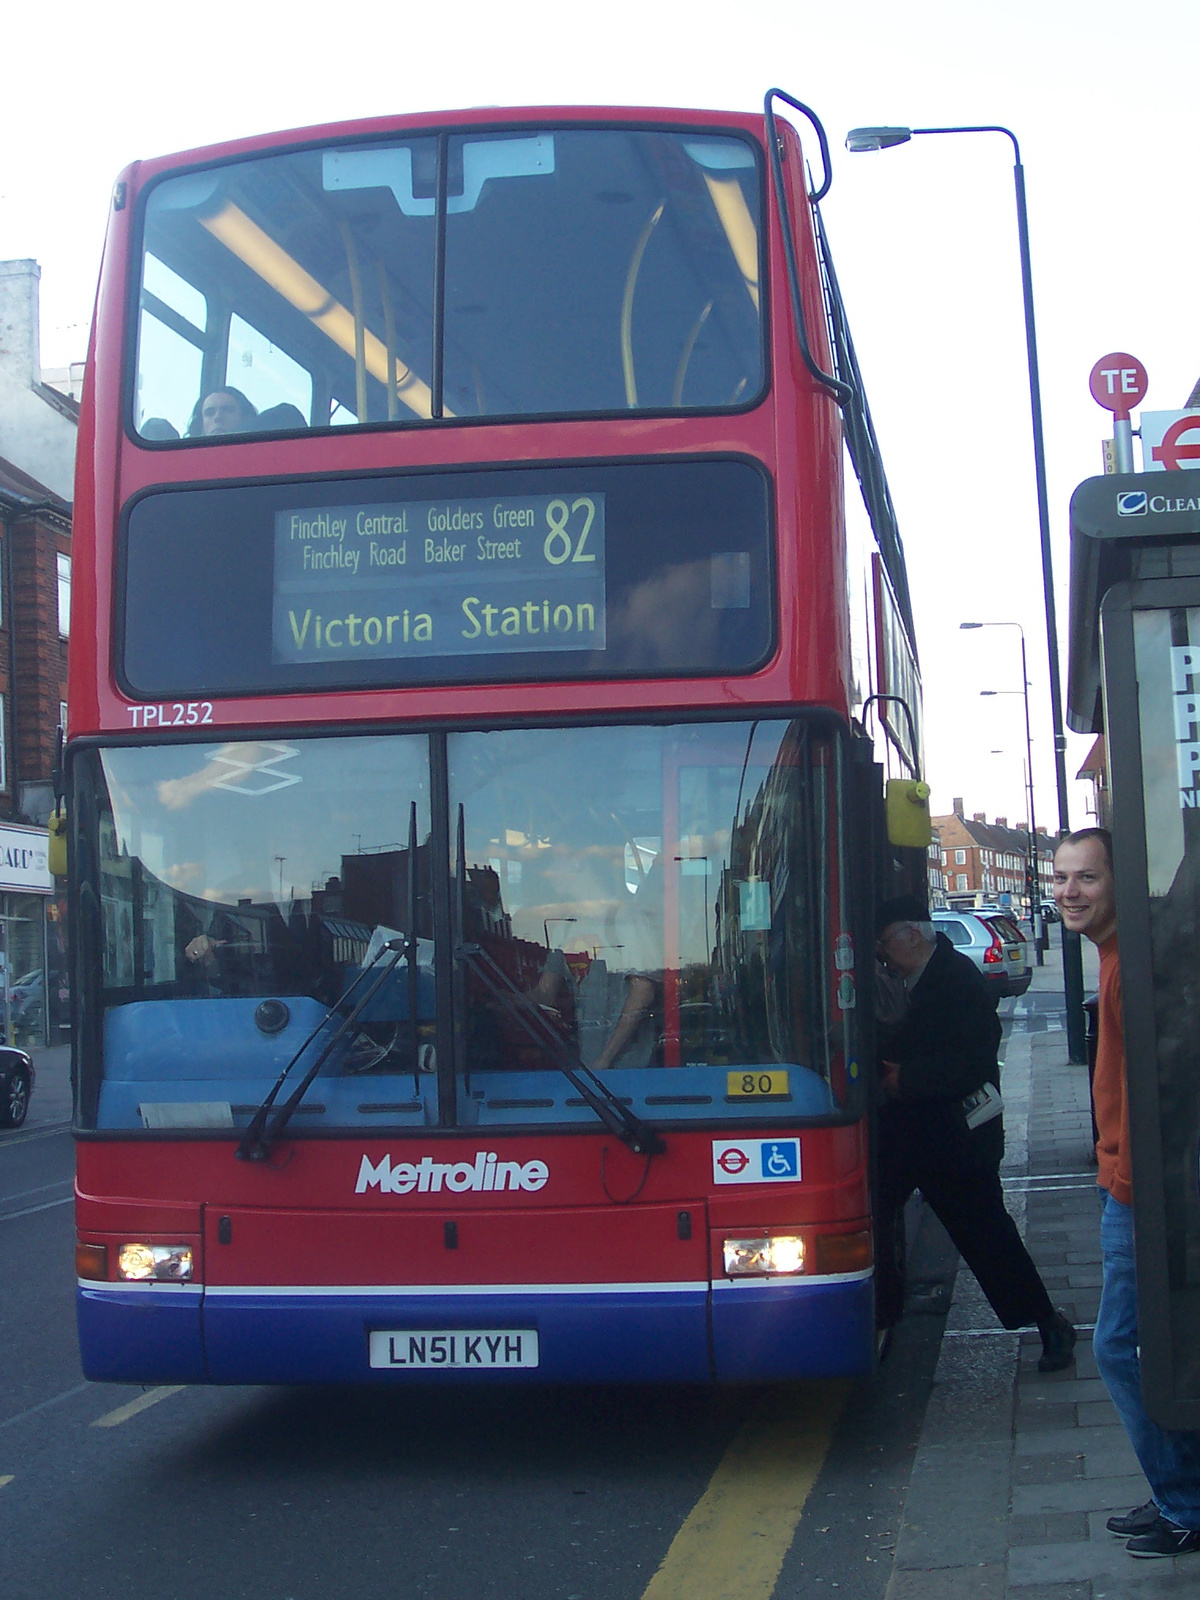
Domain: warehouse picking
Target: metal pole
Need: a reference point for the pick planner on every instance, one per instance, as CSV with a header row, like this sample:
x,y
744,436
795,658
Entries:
x,y
1071,949
1034,875
1072,952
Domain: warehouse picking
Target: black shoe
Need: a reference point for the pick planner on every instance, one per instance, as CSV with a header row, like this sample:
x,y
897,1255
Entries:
x,y
1166,1539
1139,1520
1058,1344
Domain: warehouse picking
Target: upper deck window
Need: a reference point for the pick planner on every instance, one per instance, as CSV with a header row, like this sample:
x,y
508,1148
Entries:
x,y
581,271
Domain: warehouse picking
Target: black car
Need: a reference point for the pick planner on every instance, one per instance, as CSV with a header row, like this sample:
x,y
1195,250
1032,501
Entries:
x,y
16,1086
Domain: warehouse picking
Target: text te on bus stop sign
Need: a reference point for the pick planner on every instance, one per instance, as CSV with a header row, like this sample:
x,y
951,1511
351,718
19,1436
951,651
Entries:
x,y
1118,383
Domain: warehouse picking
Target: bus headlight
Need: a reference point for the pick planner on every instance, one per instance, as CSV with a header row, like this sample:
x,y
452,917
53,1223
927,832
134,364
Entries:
x,y
764,1257
155,1263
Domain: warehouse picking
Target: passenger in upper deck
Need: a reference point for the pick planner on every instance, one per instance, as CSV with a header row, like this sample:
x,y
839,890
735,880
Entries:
x,y
281,418
224,410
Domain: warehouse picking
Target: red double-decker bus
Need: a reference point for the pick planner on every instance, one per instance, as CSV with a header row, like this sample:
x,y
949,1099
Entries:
x,y
473,829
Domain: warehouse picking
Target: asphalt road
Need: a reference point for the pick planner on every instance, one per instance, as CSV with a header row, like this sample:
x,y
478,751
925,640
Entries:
x,y
559,1494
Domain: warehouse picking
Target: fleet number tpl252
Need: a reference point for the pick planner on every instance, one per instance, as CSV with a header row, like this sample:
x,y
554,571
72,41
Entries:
x,y
177,714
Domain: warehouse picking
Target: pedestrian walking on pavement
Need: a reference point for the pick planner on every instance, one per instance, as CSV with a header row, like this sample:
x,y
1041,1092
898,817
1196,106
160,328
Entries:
x,y
941,1128
1168,1524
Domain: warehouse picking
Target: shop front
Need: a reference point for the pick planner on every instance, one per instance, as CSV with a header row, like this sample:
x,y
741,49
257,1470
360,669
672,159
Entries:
x,y
33,1005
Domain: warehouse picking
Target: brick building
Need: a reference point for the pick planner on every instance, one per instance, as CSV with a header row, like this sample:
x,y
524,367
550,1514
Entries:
x,y
983,861
937,877
35,599
38,427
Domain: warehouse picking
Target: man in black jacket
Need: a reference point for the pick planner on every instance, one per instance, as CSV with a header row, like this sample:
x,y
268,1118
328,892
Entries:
x,y
941,1129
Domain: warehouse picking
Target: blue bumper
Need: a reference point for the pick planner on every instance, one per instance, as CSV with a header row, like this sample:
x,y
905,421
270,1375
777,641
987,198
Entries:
x,y
688,1333
129,1336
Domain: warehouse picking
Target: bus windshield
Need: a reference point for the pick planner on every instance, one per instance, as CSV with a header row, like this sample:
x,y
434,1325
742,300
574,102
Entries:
x,y
671,901
474,275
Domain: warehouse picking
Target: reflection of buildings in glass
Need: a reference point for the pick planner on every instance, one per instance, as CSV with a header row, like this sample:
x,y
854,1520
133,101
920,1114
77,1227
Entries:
x,y
484,912
764,986
376,890
496,1041
148,926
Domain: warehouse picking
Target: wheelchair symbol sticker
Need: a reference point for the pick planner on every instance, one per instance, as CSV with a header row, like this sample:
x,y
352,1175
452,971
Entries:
x,y
756,1161
780,1157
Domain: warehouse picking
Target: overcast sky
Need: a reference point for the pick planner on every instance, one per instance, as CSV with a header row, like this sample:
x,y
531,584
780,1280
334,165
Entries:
x,y
1102,98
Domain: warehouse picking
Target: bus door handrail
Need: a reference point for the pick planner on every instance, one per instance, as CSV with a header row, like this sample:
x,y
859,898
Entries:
x,y
911,761
843,393
846,386
609,1107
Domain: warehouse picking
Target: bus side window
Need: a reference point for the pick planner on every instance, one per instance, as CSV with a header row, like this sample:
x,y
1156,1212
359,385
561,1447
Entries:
x,y
171,336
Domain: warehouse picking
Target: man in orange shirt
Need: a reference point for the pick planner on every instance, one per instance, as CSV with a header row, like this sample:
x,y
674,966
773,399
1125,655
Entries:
x,y
1169,1524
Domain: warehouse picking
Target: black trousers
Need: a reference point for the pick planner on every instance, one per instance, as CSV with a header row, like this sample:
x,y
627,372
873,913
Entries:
x,y
927,1145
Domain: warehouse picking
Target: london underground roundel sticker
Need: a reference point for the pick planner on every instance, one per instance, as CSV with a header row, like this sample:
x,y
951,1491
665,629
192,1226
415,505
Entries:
x,y
756,1160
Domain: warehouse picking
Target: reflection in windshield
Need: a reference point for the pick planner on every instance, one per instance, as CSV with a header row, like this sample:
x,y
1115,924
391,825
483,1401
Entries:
x,y
663,896
257,871
669,899
255,868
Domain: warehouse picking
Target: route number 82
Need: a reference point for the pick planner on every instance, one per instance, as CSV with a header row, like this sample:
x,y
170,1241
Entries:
x,y
560,546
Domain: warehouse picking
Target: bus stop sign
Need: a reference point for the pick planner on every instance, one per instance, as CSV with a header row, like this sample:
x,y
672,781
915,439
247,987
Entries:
x,y
1118,383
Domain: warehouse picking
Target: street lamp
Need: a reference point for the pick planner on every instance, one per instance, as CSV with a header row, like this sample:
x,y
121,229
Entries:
x,y
1031,856
1033,876
858,141
1032,873
546,921
704,859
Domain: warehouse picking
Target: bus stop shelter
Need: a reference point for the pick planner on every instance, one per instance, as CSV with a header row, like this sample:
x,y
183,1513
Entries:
x,y
1134,676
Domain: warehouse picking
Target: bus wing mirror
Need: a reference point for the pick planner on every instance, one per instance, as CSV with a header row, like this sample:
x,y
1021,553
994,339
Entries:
x,y
908,821
56,844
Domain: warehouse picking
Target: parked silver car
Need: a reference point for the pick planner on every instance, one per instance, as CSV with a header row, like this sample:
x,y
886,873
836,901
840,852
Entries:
x,y
994,942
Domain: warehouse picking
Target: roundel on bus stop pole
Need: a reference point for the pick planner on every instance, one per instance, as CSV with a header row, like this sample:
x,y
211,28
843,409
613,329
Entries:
x,y
1173,452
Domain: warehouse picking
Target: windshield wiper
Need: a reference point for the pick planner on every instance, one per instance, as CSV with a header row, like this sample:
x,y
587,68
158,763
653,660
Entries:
x,y
612,1111
257,1140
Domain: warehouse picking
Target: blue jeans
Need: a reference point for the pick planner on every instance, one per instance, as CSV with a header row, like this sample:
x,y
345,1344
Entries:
x,y
1169,1458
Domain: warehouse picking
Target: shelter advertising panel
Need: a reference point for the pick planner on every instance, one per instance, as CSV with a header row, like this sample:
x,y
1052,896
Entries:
x,y
1151,655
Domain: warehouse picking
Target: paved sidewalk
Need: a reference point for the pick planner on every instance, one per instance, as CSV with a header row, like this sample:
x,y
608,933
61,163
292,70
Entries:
x,y
1017,1471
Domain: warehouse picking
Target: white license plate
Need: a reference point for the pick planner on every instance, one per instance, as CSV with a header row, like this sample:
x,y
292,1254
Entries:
x,y
465,1349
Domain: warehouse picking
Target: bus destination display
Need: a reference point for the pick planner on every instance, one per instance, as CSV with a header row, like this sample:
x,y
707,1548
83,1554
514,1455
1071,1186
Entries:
x,y
439,578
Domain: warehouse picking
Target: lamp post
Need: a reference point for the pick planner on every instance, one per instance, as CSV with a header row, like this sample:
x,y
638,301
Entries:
x,y
1032,866
546,921
858,141
1033,876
